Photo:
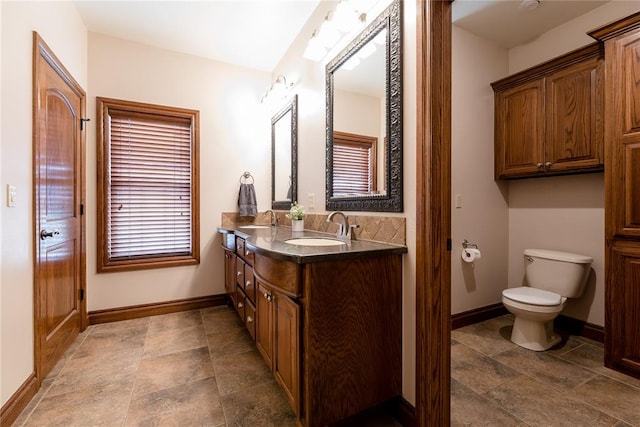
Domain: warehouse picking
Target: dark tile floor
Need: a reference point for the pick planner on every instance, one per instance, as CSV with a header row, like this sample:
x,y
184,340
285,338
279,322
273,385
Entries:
x,y
200,368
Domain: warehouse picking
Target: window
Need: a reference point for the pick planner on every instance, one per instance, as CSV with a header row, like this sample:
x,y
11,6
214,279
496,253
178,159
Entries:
x,y
354,164
148,184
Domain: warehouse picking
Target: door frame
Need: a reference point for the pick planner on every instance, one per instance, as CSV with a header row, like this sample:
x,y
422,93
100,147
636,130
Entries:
x,y
433,213
42,51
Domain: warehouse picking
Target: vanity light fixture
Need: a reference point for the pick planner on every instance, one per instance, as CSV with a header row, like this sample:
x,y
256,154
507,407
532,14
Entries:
x,y
277,90
335,25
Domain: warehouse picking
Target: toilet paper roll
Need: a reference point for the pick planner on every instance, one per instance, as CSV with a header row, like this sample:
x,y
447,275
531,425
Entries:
x,y
471,255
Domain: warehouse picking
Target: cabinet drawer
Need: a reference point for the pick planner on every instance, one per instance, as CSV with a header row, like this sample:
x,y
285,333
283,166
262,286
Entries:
x,y
241,302
249,283
239,272
249,257
229,241
240,246
285,275
250,319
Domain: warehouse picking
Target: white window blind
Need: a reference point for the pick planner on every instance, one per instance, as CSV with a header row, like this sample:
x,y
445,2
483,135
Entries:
x,y
149,201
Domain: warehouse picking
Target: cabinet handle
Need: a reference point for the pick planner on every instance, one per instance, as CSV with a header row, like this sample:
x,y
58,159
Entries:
x,y
539,166
239,273
547,165
248,284
249,319
240,305
267,296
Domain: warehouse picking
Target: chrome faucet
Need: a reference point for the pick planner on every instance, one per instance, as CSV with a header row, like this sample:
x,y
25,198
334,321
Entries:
x,y
274,217
344,229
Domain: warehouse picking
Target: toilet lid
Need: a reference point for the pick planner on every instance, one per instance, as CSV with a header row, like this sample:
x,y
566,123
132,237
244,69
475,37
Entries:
x,y
533,296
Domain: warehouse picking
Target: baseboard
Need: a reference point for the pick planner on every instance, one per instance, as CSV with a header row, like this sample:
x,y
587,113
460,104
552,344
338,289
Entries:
x,y
402,411
581,328
12,409
477,315
154,309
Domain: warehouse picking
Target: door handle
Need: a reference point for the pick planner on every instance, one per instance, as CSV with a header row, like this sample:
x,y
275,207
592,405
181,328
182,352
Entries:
x,y
45,234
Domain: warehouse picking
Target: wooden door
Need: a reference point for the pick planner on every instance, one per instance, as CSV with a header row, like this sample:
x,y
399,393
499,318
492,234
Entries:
x,y
286,363
519,127
574,108
59,279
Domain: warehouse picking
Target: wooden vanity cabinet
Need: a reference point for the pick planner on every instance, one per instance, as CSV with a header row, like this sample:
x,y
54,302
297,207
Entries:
x,y
549,119
331,332
622,193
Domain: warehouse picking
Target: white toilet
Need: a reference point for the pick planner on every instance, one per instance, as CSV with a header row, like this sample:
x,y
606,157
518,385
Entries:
x,y
550,278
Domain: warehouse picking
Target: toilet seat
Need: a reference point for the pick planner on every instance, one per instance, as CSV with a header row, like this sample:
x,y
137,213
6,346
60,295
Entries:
x,y
533,296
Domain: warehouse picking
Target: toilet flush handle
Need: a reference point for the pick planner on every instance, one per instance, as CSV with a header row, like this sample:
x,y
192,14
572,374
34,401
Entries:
x,y
528,258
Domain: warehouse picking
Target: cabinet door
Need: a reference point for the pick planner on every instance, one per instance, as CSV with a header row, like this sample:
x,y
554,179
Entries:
x,y
622,177
574,108
519,127
264,323
286,364
622,296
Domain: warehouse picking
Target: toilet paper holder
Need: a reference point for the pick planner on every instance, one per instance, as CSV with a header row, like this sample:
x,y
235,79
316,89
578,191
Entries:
x,y
467,245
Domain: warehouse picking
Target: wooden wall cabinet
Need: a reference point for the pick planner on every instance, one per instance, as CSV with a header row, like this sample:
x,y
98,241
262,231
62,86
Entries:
x,y
549,119
622,193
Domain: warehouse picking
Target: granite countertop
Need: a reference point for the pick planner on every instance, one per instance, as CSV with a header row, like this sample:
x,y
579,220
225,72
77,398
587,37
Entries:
x,y
271,242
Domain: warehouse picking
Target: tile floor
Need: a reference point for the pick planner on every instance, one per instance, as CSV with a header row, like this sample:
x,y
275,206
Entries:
x,y
496,383
195,368
200,368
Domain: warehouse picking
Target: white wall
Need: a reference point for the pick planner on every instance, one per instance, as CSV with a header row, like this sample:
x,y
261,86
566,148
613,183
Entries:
x,y
235,136
66,35
353,112
484,214
569,36
310,86
563,213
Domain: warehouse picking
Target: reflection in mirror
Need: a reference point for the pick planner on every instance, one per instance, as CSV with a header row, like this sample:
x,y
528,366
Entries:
x,y
284,147
364,123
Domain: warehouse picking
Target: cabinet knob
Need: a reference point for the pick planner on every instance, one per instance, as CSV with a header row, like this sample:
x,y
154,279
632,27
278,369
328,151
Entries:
x,y
240,305
547,165
239,273
267,296
248,284
539,166
249,319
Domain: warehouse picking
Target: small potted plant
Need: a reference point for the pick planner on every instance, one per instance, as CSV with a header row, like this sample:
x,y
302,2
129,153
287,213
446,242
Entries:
x,y
296,215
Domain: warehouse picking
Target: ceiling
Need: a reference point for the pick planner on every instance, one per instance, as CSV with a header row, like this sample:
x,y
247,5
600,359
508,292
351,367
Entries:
x,y
508,23
251,33
257,33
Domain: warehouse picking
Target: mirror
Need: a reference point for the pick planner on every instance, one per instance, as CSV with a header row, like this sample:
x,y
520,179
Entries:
x,y
364,119
284,156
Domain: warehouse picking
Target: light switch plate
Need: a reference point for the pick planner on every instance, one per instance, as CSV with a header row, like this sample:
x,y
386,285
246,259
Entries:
x,y
458,201
11,196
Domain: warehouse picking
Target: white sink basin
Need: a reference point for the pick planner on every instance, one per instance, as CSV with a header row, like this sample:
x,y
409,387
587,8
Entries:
x,y
254,226
315,242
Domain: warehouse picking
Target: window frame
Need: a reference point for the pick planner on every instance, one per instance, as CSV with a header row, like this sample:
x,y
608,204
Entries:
x,y
103,108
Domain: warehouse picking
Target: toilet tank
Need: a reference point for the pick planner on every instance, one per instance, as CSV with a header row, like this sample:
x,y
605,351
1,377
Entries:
x,y
561,272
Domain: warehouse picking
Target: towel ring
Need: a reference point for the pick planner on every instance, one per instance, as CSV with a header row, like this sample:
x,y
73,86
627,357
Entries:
x,y
246,176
